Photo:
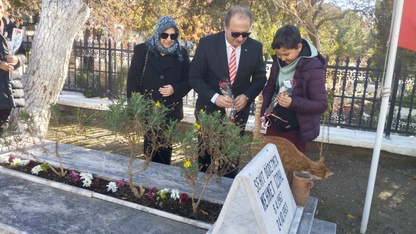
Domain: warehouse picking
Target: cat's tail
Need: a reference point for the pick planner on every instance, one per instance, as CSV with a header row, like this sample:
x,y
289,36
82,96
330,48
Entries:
x,y
257,123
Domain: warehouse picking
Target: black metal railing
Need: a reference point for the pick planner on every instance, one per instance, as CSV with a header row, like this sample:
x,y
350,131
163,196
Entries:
x,y
355,96
100,69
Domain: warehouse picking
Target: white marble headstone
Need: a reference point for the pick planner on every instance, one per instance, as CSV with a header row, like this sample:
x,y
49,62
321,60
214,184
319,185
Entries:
x,y
260,199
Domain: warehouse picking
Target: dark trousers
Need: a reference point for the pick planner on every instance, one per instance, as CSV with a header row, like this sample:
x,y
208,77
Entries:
x,y
4,119
204,159
164,155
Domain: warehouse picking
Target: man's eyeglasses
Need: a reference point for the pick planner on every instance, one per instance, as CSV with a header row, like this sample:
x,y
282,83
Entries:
x,y
238,34
173,36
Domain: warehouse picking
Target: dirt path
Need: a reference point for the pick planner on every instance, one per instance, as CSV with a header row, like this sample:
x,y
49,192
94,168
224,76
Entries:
x,y
342,197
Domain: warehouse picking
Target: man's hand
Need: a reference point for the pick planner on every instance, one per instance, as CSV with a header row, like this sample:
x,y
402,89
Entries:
x,y
240,102
224,101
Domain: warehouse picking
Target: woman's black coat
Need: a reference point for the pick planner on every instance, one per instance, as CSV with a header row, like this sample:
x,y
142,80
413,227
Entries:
x,y
160,71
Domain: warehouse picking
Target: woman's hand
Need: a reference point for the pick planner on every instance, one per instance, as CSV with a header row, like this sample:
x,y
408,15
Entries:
x,y
264,124
284,100
6,66
12,60
166,90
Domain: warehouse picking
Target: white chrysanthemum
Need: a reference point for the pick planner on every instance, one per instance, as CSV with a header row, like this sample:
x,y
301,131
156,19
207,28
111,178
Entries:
x,y
36,169
174,194
86,176
112,186
86,183
24,162
16,162
4,159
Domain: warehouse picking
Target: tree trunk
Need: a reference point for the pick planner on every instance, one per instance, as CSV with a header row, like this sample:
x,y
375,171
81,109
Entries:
x,y
43,81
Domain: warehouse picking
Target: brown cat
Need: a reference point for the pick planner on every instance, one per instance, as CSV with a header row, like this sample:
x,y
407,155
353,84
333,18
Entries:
x,y
292,159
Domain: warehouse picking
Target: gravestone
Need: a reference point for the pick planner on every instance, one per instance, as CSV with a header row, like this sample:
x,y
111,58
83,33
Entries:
x,y
260,199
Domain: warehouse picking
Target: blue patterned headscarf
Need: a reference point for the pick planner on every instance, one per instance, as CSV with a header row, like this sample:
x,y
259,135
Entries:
x,y
153,44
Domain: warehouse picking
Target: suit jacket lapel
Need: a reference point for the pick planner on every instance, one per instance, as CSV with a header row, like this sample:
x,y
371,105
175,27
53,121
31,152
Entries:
x,y
244,58
222,55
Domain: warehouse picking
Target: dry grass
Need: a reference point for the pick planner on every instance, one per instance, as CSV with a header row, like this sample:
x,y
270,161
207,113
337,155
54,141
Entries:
x,y
91,134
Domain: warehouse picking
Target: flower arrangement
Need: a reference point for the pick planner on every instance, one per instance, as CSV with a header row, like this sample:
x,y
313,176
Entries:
x,y
160,197
225,87
286,87
18,162
166,196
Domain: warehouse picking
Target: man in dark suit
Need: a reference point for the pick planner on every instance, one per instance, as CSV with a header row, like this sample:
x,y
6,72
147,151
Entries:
x,y
210,65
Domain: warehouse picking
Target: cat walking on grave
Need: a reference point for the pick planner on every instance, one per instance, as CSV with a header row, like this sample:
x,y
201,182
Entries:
x,y
292,159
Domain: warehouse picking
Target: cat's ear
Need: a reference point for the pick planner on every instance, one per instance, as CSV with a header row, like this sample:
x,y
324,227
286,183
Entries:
x,y
321,159
330,173
317,177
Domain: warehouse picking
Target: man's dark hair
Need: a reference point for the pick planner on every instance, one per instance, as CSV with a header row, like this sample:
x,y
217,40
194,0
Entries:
x,y
287,37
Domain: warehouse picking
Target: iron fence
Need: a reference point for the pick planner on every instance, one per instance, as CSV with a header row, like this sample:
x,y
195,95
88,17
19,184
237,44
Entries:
x,y
100,69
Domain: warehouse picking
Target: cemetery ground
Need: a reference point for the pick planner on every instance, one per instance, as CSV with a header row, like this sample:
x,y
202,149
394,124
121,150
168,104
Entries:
x,y
340,198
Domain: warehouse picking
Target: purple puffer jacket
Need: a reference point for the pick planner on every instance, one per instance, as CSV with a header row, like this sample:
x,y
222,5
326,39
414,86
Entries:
x,y
309,95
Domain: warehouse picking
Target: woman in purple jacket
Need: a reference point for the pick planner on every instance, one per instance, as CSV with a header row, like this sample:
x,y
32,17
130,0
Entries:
x,y
296,62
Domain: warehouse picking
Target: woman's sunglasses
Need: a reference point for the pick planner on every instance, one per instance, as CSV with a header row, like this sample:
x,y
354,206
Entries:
x,y
238,34
173,36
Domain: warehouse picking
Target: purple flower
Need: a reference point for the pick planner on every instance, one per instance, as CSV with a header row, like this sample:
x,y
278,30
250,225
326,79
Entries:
x,y
74,176
11,158
151,194
183,198
120,183
31,164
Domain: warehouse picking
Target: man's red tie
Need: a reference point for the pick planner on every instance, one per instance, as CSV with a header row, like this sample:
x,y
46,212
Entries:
x,y
233,66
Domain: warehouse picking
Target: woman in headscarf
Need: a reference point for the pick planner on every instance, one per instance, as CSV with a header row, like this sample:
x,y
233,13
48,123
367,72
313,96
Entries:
x,y
159,70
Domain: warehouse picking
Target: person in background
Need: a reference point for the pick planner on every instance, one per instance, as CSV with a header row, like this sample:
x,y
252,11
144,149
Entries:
x,y
211,65
19,23
296,59
10,26
165,76
11,88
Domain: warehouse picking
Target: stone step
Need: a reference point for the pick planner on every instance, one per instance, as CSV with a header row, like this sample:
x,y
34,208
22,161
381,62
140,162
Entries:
x,y
308,215
323,227
310,225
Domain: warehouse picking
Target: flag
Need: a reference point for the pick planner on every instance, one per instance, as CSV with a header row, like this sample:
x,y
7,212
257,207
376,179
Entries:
x,y
407,35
